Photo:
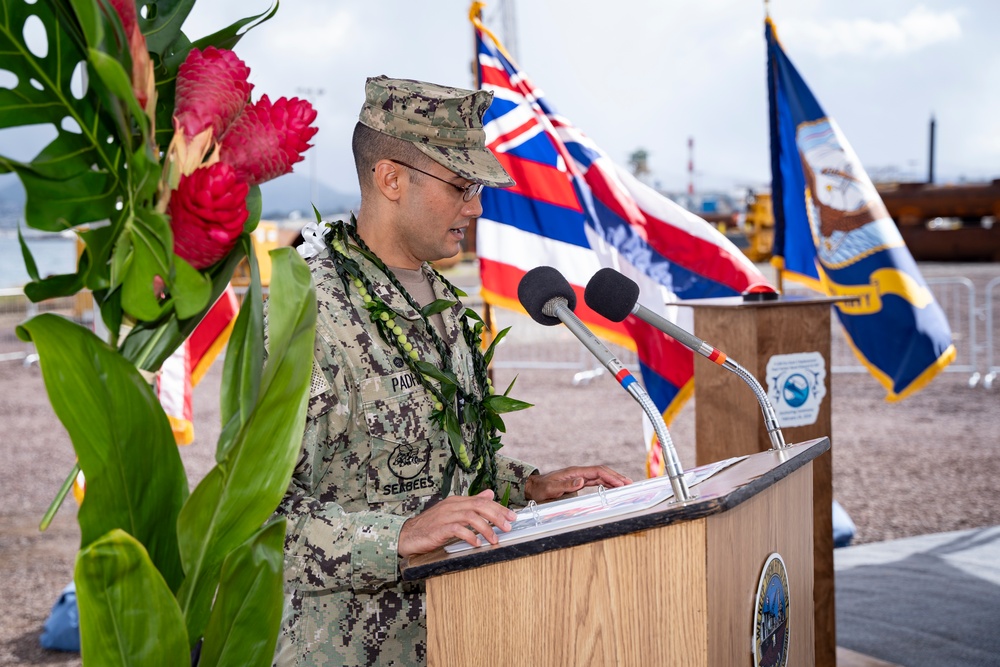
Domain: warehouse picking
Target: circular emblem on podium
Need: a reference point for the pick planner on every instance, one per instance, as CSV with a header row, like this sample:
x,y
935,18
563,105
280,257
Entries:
x,y
796,390
770,625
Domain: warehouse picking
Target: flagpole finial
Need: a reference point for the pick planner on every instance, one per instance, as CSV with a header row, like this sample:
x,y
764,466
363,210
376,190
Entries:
x,y
767,8
474,16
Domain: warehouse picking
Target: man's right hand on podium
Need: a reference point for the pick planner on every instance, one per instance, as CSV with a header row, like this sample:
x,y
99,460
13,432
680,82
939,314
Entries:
x,y
456,516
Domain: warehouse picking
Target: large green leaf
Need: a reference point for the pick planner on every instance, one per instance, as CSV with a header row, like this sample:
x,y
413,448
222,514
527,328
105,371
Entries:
x,y
75,179
47,100
243,628
83,20
128,616
135,480
99,243
57,204
255,204
244,489
29,259
190,290
150,343
168,47
152,258
228,37
118,84
63,284
243,360
161,23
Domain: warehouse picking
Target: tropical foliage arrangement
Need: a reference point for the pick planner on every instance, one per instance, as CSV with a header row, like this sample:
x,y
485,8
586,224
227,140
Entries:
x,y
156,165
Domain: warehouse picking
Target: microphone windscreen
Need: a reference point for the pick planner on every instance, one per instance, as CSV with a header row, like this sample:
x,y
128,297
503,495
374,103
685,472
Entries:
x,y
539,286
611,294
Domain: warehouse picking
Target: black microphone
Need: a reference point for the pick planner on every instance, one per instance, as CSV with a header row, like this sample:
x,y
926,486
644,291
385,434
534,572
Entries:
x,y
549,300
615,296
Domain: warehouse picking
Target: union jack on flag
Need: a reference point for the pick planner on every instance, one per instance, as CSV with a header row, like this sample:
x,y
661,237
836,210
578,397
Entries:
x,y
575,210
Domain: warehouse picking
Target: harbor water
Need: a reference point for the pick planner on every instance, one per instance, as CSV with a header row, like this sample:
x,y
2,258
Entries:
x,y
53,254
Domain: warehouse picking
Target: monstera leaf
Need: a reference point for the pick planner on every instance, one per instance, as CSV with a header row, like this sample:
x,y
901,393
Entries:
x,y
102,166
102,169
75,179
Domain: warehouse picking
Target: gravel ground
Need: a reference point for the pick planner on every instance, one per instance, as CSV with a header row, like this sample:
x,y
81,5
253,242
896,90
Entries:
x,y
926,465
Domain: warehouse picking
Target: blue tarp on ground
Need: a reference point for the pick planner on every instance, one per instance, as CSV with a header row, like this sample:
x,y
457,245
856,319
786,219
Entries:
x,y
843,527
62,629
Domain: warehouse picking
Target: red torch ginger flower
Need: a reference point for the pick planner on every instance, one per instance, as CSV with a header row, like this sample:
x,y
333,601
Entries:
x,y
126,12
212,90
143,83
268,138
207,212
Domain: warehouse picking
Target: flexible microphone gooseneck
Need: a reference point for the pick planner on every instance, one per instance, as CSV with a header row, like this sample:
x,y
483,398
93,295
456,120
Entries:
x,y
615,296
549,300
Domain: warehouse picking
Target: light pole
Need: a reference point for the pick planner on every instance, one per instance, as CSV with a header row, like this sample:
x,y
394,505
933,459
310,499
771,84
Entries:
x,y
312,94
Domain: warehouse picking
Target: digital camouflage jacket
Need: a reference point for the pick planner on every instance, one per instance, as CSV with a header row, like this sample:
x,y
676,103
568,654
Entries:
x,y
371,457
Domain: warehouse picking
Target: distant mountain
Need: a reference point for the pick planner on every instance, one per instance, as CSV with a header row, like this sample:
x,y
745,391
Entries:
x,y
292,192
12,200
11,191
282,197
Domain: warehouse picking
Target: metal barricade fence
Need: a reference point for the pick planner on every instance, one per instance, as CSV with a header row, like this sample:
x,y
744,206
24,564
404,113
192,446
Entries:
x,y
531,346
16,308
957,298
992,341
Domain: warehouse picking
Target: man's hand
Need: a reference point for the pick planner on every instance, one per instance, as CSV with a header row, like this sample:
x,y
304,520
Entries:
x,y
455,516
569,480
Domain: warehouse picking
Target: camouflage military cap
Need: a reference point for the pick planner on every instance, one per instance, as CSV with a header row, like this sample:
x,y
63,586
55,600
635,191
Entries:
x,y
446,124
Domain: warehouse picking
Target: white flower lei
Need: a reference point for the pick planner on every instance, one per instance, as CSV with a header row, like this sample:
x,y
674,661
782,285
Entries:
x,y
312,239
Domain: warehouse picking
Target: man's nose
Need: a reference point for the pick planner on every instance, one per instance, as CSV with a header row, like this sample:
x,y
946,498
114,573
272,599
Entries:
x,y
474,207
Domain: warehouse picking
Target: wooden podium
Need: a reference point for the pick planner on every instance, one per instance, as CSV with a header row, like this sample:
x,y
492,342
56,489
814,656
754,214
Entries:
x,y
675,584
728,420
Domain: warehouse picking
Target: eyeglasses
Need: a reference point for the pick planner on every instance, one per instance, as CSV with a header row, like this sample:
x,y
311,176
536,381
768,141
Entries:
x,y
469,192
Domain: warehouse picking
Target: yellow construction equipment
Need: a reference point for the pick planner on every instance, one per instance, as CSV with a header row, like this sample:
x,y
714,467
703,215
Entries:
x,y
758,227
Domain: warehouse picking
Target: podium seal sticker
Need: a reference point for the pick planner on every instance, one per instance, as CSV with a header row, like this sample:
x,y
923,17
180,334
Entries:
x,y
796,385
770,623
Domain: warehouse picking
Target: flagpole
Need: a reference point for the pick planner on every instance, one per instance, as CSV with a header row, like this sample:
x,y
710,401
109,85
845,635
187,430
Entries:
x,y
476,17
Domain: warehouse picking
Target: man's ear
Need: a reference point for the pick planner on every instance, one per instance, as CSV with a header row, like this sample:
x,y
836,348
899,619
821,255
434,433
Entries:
x,y
387,180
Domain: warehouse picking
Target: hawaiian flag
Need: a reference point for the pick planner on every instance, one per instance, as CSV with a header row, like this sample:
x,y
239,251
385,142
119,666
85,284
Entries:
x,y
183,370
834,234
573,209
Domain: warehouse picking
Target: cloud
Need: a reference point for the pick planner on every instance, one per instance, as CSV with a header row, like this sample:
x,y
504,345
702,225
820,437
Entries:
x,y
913,32
314,35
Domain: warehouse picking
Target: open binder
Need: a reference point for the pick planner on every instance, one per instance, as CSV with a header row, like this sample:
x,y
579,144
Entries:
x,y
594,507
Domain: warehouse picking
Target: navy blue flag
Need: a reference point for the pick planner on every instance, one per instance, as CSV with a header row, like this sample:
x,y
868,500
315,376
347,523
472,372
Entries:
x,y
834,234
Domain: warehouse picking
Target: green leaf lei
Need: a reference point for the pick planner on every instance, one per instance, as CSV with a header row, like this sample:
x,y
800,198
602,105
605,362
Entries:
x,y
481,408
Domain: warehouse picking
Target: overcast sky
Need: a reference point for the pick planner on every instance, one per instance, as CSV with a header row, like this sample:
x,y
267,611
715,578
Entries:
x,y
651,73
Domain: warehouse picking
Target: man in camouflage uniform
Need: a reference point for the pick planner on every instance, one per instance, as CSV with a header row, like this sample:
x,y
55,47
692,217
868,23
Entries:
x,y
366,491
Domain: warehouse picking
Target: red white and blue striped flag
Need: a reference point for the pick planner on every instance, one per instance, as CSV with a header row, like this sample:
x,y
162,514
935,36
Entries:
x,y
575,210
